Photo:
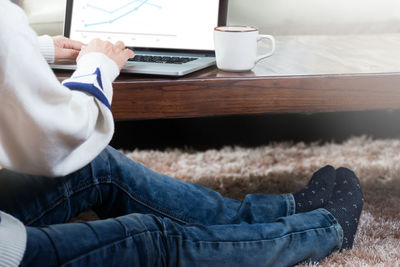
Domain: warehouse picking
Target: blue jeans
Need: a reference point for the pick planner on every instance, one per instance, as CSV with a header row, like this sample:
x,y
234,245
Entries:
x,y
150,219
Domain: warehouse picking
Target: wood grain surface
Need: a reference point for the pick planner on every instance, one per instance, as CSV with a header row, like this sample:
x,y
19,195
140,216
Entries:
x,y
306,74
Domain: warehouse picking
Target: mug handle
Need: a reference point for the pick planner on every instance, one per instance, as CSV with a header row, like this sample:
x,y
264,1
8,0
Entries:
x,y
266,37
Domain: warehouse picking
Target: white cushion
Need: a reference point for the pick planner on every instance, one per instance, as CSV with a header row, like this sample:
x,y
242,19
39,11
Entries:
x,y
45,16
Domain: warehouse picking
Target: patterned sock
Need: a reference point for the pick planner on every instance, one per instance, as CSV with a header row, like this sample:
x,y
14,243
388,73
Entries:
x,y
317,192
346,204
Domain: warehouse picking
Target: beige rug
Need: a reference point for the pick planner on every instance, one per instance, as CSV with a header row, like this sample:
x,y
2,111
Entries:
x,y
286,167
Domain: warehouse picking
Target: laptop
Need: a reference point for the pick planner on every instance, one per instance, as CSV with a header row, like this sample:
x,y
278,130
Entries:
x,y
172,38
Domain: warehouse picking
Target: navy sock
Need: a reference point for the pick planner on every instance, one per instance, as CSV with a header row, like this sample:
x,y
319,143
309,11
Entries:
x,y
346,204
318,191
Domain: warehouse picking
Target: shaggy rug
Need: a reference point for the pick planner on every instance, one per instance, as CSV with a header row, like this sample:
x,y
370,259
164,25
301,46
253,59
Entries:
x,y
287,167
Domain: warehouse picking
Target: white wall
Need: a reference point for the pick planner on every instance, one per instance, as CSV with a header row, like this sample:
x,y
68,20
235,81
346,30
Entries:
x,y
317,16
271,16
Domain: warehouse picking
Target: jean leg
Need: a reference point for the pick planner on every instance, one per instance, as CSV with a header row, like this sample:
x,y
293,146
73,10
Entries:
x,y
39,200
147,240
27,197
113,185
138,189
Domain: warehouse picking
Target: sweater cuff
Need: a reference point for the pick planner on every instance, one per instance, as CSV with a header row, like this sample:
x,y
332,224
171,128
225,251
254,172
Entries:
x,y
13,240
46,45
94,75
91,61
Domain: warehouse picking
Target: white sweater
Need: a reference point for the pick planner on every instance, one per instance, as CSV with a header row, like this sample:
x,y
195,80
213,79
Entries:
x,y
46,128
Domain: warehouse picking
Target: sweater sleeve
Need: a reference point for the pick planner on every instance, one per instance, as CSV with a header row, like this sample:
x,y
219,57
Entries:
x,y
13,239
46,46
47,128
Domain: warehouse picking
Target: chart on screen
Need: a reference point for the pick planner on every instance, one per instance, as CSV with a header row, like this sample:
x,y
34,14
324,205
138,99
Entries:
x,y
154,23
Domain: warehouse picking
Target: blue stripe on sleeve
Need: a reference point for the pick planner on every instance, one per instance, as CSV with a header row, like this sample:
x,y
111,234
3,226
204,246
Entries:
x,y
97,72
89,88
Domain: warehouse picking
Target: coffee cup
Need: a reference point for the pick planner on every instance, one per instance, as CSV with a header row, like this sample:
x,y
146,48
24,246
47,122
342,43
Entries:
x,y
236,47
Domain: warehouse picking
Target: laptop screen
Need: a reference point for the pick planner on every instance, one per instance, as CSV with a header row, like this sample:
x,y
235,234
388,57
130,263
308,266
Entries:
x,y
172,24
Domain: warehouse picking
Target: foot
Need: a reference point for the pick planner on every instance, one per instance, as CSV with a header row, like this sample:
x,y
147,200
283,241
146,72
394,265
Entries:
x,y
346,204
318,191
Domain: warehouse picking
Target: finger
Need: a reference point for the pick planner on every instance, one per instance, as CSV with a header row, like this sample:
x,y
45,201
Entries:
x,y
108,44
73,44
67,54
95,40
120,45
129,53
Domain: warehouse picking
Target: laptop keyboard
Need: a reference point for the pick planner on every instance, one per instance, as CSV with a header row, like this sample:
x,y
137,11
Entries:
x,y
162,59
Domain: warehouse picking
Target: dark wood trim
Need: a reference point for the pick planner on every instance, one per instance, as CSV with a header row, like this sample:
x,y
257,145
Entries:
x,y
150,99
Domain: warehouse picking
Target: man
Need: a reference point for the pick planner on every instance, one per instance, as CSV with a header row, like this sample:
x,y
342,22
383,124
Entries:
x,y
148,219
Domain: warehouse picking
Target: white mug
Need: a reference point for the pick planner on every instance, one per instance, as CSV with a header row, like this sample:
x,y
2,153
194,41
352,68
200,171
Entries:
x,y
236,47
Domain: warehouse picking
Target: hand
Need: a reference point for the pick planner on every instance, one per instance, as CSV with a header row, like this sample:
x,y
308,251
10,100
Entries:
x,y
116,52
65,48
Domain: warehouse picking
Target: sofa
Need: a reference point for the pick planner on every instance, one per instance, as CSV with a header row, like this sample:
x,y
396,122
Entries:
x,y
278,17
45,16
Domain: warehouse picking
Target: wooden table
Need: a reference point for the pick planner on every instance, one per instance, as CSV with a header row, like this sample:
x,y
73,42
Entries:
x,y
306,74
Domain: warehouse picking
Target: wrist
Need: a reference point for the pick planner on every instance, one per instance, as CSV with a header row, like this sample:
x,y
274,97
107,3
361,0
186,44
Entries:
x,y
89,62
